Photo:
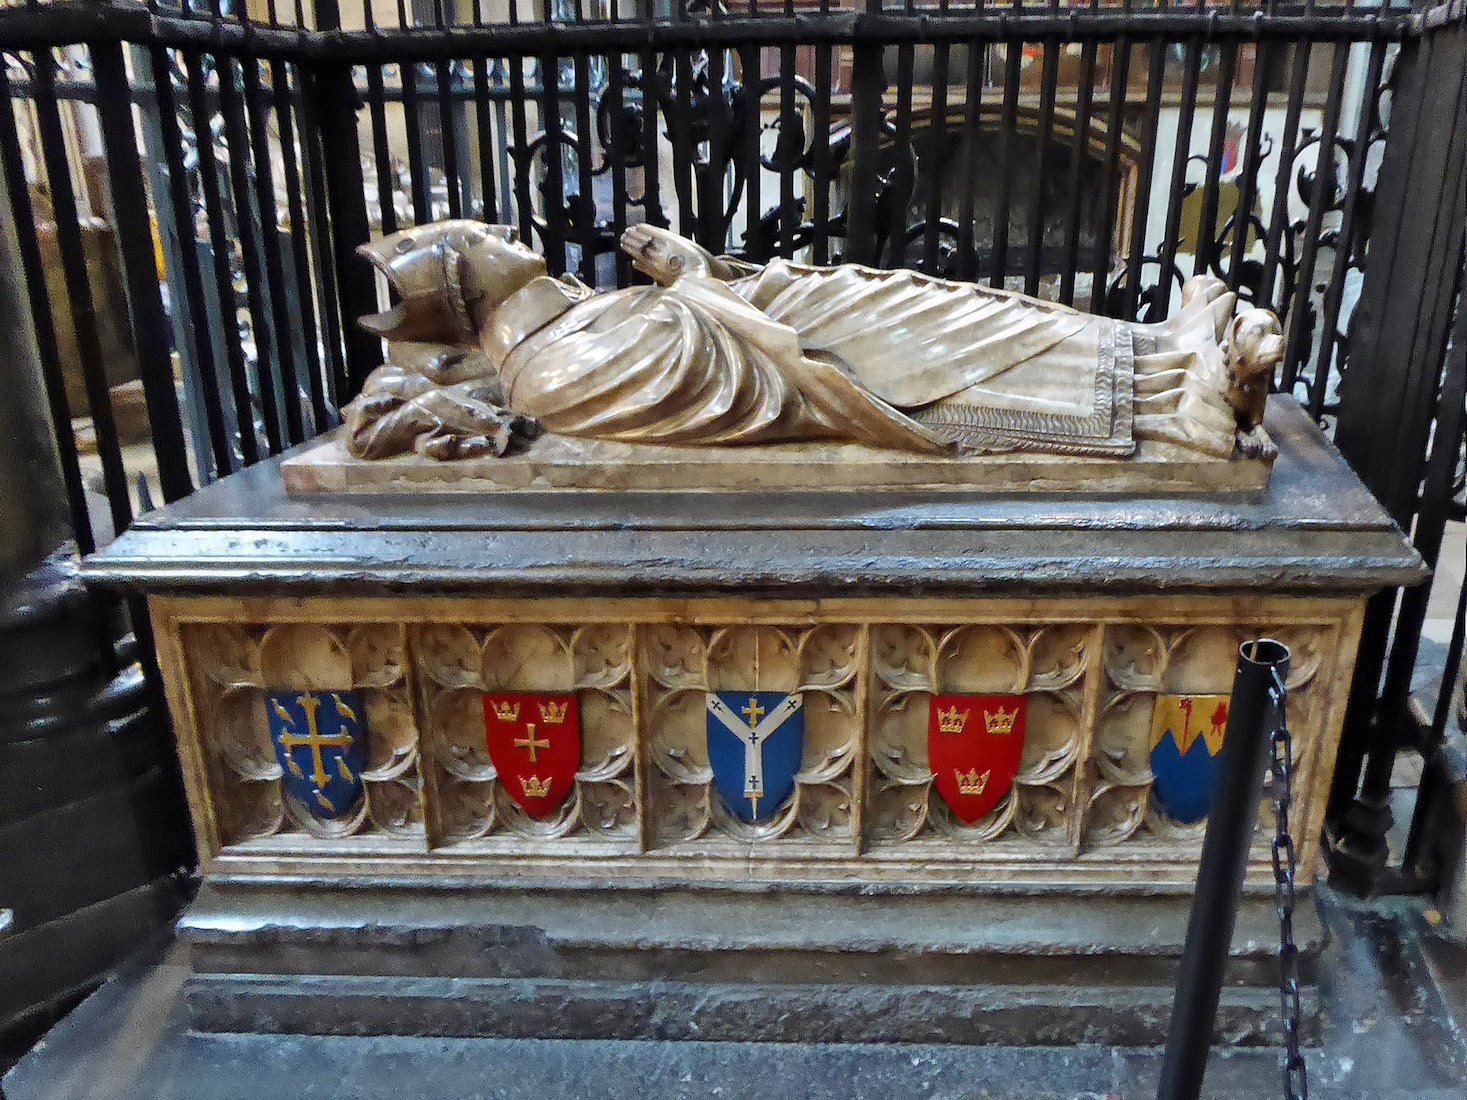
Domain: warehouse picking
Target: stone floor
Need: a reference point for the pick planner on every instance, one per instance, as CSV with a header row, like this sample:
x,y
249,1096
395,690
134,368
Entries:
x,y
1394,994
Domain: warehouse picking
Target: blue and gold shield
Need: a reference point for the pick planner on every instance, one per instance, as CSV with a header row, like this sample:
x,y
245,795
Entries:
x,y
320,739
1186,736
756,740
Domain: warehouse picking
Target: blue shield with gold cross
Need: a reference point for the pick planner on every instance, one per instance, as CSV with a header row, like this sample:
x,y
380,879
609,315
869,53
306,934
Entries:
x,y
320,739
1186,736
756,740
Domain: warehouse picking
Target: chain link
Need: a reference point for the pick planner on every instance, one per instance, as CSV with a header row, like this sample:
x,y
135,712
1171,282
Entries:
x,y
1296,1082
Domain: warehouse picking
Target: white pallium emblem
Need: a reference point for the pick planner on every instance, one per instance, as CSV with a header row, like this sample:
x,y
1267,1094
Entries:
x,y
753,733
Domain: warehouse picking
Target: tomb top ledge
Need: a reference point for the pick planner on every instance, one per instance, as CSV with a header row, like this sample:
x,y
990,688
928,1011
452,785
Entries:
x,y
1315,528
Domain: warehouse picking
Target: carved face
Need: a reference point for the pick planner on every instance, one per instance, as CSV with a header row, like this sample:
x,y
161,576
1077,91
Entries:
x,y
1255,345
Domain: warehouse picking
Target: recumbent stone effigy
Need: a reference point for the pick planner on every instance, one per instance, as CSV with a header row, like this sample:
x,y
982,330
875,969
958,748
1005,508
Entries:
x,y
789,637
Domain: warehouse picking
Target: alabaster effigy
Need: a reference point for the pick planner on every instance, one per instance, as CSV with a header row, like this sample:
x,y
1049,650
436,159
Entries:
x,y
490,356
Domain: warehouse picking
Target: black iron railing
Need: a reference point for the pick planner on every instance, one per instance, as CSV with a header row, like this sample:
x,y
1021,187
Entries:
x,y
223,160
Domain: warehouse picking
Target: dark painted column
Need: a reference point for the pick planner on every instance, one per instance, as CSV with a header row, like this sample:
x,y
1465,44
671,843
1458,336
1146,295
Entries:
x,y
91,829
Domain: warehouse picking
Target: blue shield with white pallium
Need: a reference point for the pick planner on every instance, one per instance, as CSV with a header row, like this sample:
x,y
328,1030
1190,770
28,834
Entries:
x,y
756,740
320,739
1186,737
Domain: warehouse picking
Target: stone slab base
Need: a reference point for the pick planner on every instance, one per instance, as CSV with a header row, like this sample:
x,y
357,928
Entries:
x,y
813,966
524,1008
559,462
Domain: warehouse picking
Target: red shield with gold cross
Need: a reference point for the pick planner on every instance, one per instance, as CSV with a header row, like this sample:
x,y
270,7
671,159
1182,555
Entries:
x,y
974,745
535,745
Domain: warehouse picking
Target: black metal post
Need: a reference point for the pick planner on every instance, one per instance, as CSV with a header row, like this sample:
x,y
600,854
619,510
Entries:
x,y
1220,873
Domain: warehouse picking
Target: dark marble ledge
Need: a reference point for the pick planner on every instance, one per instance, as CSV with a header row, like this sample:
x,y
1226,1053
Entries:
x,y
1315,529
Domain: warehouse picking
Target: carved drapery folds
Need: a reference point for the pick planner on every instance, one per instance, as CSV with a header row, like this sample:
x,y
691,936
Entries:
x,y
864,803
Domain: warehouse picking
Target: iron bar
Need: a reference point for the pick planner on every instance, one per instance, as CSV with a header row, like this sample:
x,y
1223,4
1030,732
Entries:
x,y
1252,154
1205,256
1049,78
585,198
1177,187
613,151
711,177
329,291
754,243
1105,250
267,211
1324,181
249,228
79,293
332,119
998,268
1345,235
520,152
66,22
897,192
552,151
485,137
194,309
1274,239
1136,247
299,245
244,415
1079,155
684,153
967,261
135,245
868,85
381,152
1261,665
43,320
453,183
412,121
651,189
821,172
788,156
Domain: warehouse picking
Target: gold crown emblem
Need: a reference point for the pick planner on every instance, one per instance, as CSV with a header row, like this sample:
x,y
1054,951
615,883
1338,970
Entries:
x,y
950,721
972,782
553,713
507,712
535,787
1000,722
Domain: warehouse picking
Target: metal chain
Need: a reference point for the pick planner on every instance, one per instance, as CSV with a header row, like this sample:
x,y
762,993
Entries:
x,y
1296,1083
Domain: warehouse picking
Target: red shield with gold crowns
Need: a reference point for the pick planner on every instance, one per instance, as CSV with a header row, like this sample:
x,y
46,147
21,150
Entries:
x,y
974,745
535,745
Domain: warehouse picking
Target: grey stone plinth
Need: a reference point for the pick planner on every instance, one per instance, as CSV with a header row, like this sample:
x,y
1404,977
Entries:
x,y
795,966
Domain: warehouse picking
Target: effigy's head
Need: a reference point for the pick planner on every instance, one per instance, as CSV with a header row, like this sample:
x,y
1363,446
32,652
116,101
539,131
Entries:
x,y
448,276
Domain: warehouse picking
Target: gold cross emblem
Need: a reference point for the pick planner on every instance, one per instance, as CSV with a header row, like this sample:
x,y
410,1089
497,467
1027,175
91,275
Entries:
x,y
314,739
529,741
753,712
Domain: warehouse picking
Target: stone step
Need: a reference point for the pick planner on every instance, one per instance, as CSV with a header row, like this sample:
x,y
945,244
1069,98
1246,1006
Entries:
x,y
634,963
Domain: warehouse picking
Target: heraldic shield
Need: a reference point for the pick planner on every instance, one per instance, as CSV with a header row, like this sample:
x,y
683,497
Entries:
x,y
974,746
756,740
1186,736
320,739
535,745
